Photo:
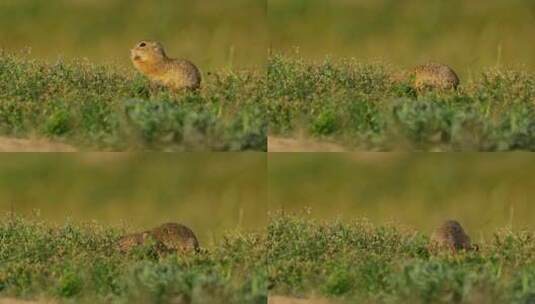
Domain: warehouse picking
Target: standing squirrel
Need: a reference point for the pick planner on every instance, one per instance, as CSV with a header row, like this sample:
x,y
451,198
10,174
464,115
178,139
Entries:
x,y
150,59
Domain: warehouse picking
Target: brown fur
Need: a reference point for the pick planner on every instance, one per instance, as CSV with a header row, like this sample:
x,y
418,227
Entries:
x,y
450,236
150,59
434,76
167,238
176,237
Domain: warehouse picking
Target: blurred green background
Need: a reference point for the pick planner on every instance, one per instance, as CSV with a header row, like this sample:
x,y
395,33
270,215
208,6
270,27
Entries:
x,y
213,34
236,33
465,34
485,191
210,192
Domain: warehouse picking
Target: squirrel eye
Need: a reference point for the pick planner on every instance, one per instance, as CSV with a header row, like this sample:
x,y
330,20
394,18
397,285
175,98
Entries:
x,y
142,44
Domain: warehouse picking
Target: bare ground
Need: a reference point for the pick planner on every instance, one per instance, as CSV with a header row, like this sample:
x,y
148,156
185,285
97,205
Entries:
x,y
281,144
8,144
18,301
271,300
289,300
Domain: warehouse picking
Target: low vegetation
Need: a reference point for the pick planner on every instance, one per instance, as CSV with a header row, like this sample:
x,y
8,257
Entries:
x,y
356,104
82,263
104,108
359,262
361,105
296,257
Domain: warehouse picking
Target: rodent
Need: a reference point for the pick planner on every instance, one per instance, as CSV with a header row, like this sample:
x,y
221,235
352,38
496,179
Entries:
x,y
167,238
451,235
150,59
434,76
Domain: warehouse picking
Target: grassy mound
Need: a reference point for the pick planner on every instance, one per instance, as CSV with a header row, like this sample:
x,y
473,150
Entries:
x,y
363,263
81,262
360,105
104,108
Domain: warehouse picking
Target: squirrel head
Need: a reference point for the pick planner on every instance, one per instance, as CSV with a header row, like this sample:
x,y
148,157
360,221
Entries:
x,y
147,52
454,226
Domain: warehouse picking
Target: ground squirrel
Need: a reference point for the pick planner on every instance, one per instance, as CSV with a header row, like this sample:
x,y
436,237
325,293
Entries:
x,y
450,235
150,59
434,75
167,238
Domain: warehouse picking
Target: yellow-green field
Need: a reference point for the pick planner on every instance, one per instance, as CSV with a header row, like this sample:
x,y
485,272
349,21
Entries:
x,y
465,34
213,34
483,191
237,33
216,192
210,193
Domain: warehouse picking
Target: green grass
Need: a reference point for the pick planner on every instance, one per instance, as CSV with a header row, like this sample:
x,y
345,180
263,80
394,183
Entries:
x,y
99,107
80,263
357,103
297,256
358,262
